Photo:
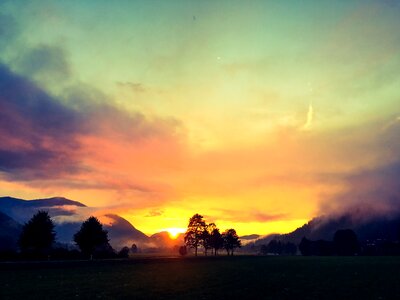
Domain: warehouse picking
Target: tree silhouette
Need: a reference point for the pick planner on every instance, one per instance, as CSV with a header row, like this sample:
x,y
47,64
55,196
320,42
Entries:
x,y
275,247
182,250
134,248
124,252
92,237
216,240
264,249
231,241
346,242
207,242
37,234
195,232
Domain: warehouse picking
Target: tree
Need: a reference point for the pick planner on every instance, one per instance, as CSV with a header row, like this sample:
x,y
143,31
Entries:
x,y
92,237
346,242
134,248
195,232
207,242
231,241
289,248
124,252
275,247
216,240
182,250
38,234
305,246
264,249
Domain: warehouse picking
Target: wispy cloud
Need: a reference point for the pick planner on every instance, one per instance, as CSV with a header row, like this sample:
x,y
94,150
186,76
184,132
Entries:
x,y
310,117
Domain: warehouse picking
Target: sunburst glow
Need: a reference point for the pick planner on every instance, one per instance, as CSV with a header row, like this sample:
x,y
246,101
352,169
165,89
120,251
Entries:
x,y
174,232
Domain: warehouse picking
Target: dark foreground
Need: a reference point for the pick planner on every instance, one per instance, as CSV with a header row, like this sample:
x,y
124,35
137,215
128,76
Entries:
x,y
206,278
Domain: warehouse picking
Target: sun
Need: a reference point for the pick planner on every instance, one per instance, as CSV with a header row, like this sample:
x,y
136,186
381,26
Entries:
x,y
175,231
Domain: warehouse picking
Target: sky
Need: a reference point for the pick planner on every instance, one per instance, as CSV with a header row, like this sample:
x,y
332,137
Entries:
x,y
259,115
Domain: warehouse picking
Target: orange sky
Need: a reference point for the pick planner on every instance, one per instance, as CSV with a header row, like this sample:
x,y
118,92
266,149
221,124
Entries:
x,y
259,116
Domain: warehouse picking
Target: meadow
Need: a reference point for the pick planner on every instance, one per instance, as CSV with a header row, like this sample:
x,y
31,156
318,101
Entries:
x,y
248,277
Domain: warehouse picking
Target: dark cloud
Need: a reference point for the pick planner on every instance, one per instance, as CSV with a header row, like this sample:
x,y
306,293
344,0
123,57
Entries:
x,y
44,62
373,189
37,133
40,136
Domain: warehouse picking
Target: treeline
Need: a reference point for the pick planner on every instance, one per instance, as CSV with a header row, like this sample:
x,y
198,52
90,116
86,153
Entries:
x,y
344,243
277,247
199,234
38,241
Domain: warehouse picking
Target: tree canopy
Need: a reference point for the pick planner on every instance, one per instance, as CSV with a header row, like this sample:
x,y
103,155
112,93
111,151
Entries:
x,y
231,241
195,232
346,242
216,240
37,234
208,236
92,237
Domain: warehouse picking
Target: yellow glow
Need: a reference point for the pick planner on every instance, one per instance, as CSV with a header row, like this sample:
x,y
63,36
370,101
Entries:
x,y
174,231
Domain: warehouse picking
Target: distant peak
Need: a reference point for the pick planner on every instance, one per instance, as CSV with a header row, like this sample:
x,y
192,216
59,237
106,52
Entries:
x,y
53,201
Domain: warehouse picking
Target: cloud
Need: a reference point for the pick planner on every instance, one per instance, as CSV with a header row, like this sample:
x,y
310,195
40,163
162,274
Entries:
x,y
8,30
373,189
250,216
310,117
42,138
36,132
135,87
155,213
44,62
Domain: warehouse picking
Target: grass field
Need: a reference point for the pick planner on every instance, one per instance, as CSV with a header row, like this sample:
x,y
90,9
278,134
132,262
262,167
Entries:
x,y
205,278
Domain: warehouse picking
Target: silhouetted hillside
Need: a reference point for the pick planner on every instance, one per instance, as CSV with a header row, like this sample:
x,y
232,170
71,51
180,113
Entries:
x,y
68,216
46,202
9,232
22,210
121,232
323,228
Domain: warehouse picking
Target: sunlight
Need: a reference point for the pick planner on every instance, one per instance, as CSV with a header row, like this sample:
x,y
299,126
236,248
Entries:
x,y
175,231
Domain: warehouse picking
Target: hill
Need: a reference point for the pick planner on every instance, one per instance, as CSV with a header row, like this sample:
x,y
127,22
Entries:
x,y
67,216
9,232
370,228
22,210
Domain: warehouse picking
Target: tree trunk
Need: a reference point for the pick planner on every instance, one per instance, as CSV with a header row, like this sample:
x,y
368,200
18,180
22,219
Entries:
x,y
195,251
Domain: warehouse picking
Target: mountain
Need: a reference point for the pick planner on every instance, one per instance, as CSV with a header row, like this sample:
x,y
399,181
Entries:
x,y
120,232
374,227
9,232
46,202
250,237
22,210
67,216
123,233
